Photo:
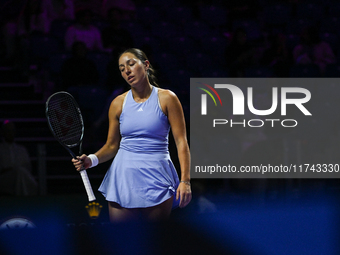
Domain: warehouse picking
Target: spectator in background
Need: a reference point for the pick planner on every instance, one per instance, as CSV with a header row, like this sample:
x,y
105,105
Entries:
x,y
278,56
312,50
239,54
78,70
114,37
15,165
84,31
33,19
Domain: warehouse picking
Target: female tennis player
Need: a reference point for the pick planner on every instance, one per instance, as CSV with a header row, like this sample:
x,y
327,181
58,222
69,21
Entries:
x,y
142,182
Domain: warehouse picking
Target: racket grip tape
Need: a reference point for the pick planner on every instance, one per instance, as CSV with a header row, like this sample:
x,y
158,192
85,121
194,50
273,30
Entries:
x,y
87,185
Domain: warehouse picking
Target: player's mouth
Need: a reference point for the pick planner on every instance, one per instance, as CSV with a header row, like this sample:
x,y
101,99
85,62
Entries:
x,y
130,78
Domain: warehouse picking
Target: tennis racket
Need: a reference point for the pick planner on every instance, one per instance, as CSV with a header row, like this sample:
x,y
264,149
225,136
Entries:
x,y
67,126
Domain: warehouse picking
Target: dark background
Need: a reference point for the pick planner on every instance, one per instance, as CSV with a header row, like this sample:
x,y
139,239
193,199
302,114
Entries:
x,y
182,39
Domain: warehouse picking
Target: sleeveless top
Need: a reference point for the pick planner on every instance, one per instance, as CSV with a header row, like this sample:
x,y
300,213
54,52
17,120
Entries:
x,y
140,130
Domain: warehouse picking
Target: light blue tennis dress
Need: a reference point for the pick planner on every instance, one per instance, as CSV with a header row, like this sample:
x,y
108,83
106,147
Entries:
x,y
142,173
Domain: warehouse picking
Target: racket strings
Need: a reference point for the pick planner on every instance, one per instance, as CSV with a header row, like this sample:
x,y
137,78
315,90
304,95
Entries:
x,y
65,119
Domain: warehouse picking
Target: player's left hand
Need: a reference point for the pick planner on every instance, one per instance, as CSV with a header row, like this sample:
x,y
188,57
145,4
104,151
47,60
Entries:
x,y
184,194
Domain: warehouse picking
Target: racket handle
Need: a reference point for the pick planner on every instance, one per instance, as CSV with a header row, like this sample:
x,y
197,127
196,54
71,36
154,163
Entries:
x,y
87,185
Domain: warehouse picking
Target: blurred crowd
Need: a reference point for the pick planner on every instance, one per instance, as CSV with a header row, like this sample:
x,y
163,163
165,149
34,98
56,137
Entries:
x,y
77,41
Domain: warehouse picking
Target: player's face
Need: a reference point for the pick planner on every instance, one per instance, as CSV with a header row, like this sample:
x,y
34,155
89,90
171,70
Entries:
x,y
133,70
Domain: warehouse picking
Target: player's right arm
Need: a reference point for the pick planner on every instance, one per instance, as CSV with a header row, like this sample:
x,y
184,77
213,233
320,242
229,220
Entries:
x,y
110,148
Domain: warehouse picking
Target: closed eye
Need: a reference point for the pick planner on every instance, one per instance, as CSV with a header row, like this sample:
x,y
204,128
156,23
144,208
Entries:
x,y
130,62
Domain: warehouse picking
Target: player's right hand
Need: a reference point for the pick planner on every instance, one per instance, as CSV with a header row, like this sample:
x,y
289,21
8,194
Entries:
x,y
81,162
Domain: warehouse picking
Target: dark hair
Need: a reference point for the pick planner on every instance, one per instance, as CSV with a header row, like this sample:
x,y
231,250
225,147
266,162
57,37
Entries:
x,y
142,57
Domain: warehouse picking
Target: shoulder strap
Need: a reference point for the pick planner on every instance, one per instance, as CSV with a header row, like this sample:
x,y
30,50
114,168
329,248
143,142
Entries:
x,y
125,98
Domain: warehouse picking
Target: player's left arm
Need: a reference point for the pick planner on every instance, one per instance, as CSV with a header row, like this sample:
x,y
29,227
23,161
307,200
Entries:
x,y
173,109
